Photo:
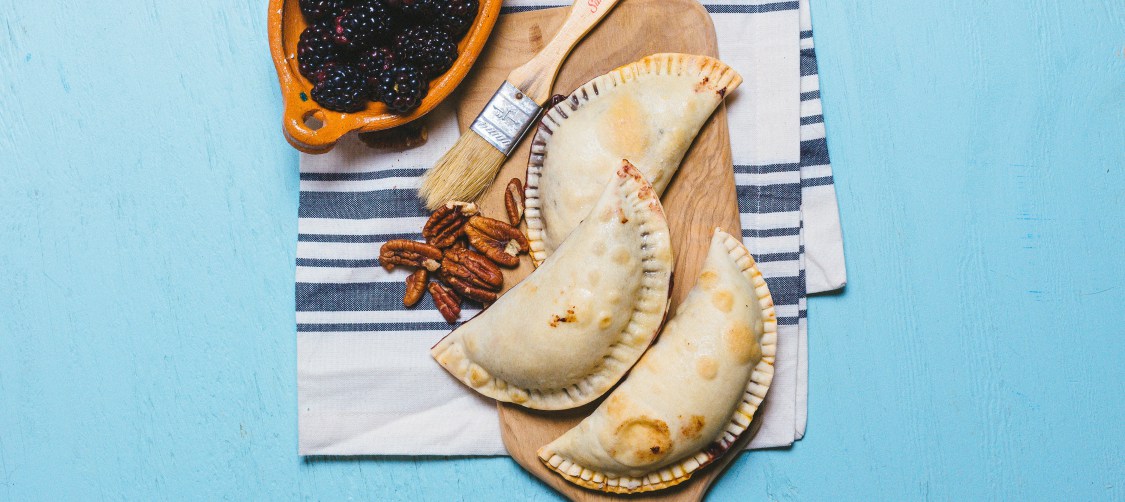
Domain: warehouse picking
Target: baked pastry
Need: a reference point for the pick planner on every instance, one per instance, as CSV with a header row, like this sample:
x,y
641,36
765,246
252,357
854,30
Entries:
x,y
691,395
648,112
567,333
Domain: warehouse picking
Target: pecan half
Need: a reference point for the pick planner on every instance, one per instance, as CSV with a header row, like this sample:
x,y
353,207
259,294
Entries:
x,y
473,268
464,288
513,201
448,303
499,241
415,287
409,253
447,223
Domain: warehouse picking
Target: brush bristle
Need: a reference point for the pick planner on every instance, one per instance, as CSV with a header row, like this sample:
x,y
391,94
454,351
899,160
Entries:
x,y
463,173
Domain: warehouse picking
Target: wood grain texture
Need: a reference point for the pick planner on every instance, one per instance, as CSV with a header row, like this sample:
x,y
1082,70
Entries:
x,y
700,197
147,346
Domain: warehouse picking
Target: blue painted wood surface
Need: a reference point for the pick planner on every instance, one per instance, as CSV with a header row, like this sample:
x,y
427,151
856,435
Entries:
x,y
147,236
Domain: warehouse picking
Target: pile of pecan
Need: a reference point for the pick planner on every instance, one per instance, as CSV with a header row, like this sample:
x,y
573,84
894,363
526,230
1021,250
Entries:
x,y
463,251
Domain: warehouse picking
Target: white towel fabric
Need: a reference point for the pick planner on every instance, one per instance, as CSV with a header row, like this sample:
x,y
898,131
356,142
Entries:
x,y
366,382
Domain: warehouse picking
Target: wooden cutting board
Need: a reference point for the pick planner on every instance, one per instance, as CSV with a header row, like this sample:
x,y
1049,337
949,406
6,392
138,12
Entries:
x,y
700,197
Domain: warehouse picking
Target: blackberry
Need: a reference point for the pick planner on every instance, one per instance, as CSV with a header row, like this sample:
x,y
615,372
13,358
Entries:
x,y
402,88
457,15
417,9
315,49
343,89
319,75
315,10
429,48
362,24
373,63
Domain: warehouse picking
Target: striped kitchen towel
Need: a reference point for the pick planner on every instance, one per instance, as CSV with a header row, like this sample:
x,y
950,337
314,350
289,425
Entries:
x,y
366,382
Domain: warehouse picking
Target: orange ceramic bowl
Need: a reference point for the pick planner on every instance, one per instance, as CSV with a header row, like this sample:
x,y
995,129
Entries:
x,y
313,129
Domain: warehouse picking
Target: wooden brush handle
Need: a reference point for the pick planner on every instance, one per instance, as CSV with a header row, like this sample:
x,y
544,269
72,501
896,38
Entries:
x,y
536,77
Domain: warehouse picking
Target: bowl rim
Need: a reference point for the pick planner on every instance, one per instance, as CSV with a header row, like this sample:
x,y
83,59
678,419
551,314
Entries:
x,y
295,88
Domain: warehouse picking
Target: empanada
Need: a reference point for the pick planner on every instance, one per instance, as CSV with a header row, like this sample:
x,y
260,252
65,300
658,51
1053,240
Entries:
x,y
691,395
567,333
648,112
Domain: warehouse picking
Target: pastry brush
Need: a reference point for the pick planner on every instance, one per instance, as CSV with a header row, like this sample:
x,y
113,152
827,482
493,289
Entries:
x,y
472,164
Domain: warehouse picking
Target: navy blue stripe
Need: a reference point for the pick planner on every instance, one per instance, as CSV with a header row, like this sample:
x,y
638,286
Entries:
x,y
781,321
762,258
814,152
752,9
771,232
811,95
770,168
714,9
376,326
804,314
357,239
806,34
388,297
376,296
372,175
393,203
772,257
808,62
786,290
314,262
812,119
769,198
373,296
816,182
441,326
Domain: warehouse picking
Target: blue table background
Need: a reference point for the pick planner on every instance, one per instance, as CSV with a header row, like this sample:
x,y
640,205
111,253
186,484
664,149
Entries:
x,y
147,238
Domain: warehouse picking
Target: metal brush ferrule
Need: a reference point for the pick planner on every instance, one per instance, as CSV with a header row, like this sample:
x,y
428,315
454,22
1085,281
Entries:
x,y
506,118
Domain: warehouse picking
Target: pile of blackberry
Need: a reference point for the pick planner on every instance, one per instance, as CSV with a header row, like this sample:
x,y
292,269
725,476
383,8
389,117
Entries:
x,y
357,51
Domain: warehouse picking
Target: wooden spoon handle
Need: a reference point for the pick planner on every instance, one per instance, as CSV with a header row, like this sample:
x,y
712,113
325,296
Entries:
x,y
536,77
